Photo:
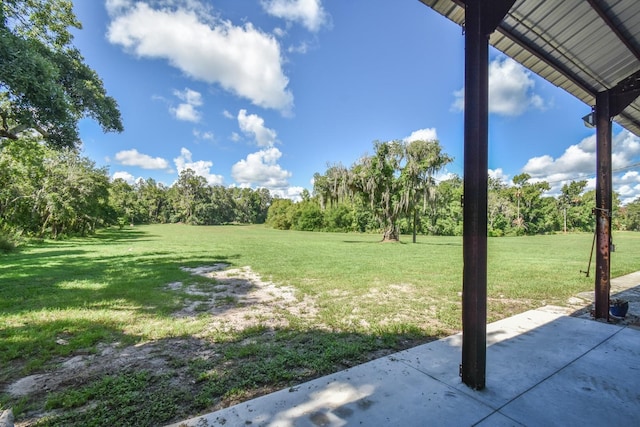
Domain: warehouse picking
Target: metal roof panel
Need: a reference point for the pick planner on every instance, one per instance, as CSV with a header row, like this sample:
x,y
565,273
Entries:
x,y
582,46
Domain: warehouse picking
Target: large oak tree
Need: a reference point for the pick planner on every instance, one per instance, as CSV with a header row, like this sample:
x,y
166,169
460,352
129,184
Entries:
x,y
45,85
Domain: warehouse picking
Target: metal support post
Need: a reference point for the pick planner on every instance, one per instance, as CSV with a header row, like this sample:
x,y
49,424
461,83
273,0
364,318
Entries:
x,y
603,205
481,19
474,277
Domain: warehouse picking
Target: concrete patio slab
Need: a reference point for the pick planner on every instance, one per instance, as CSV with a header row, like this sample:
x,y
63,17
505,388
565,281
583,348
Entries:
x,y
598,389
522,351
544,368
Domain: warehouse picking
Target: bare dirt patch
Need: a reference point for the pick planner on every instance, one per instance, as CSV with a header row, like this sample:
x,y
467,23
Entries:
x,y
239,298
235,299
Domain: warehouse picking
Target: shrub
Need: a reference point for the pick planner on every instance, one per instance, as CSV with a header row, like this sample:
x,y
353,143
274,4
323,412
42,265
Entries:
x,y
7,242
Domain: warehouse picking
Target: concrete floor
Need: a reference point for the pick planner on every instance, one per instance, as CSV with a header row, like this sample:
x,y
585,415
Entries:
x,y
544,368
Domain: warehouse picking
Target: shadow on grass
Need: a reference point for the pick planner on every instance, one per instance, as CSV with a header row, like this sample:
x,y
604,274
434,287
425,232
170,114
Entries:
x,y
434,243
112,235
58,303
179,378
408,241
84,274
84,295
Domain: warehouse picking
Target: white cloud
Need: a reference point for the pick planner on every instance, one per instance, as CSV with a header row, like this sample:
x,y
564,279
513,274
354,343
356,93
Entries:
x,y
201,167
428,134
499,175
261,169
302,47
187,110
578,162
581,158
189,96
628,186
208,136
134,158
309,13
117,6
125,176
253,125
510,89
632,176
293,193
241,59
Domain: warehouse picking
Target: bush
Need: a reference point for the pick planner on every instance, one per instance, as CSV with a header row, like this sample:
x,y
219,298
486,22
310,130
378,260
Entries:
x,y
309,217
338,218
278,215
7,243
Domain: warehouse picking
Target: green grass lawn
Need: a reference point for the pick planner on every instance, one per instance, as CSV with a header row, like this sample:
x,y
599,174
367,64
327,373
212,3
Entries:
x,y
83,297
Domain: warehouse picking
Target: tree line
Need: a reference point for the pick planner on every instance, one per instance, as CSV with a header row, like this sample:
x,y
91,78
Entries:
x,y
47,189
394,192
54,192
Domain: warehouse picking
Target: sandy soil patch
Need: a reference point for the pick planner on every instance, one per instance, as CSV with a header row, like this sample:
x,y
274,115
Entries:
x,y
239,298
235,299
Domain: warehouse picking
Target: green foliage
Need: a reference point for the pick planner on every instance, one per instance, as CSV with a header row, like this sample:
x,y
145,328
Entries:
x,y
513,210
44,83
46,192
631,216
55,193
129,399
280,214
390,183
339,218
7,243
308,216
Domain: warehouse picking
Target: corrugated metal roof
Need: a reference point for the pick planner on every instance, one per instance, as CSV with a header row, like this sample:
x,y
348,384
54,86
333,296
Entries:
x,y
582,46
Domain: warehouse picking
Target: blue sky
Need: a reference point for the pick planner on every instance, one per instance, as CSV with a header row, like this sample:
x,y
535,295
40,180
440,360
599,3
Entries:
x,y
264,93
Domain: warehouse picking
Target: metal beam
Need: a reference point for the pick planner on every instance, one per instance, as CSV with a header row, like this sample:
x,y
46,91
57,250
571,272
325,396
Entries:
x,y
615,28
624,93
603,206
609,103
481,18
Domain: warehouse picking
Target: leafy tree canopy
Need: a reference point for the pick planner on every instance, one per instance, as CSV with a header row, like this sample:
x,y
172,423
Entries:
x,y
45,86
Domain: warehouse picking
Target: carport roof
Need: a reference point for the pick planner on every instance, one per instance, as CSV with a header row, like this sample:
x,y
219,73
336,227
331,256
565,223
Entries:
x,y
582,46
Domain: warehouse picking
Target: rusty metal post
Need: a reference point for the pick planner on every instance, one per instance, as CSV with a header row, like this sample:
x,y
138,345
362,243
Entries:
x,y
603,205
481,19
474,280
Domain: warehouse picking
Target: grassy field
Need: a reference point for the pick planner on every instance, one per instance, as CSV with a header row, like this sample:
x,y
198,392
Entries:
x,y
101,322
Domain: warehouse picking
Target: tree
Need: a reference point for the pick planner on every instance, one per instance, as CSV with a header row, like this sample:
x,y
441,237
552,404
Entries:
x,y
631,216
45,86
122,199
152,199
279,216
499,208
251,206
568,198
332,187
21,175
530,206
308,216
375,178
50,192
423,160
446,213
188,193
386,185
